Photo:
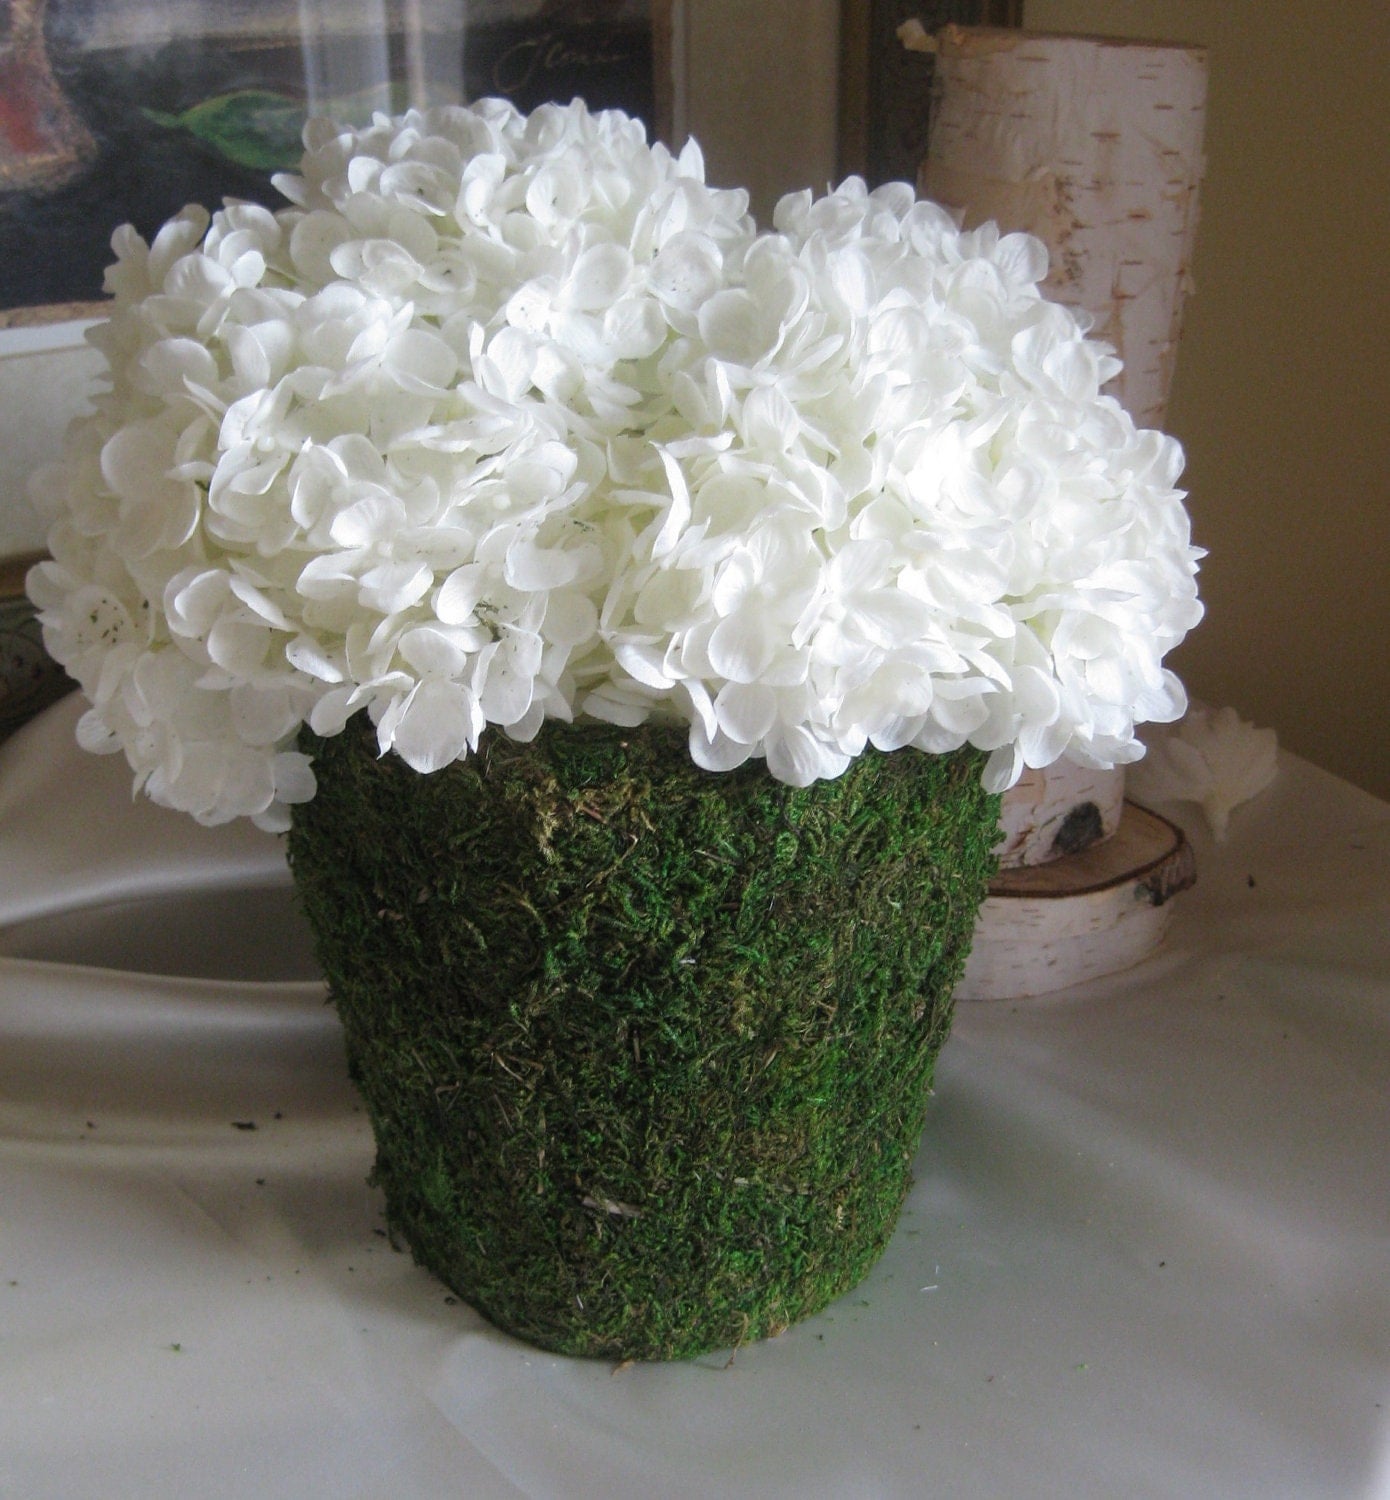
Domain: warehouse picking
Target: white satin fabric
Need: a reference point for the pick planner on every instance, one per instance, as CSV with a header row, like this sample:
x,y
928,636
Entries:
x,y
1147,1253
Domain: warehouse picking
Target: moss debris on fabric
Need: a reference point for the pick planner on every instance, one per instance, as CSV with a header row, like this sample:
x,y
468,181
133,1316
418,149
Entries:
x,y
647,1049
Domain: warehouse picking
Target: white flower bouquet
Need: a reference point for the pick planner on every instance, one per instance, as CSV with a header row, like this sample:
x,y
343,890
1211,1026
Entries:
x,y
509,419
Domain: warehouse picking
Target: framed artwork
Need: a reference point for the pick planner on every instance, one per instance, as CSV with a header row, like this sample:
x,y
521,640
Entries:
x,y
614,54
886,88
126,110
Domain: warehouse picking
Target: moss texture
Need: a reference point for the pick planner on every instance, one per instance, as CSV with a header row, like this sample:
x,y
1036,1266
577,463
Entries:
x,y
647,1050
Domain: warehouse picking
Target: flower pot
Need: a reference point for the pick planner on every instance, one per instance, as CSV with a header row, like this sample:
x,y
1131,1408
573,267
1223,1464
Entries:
x,y
647,1049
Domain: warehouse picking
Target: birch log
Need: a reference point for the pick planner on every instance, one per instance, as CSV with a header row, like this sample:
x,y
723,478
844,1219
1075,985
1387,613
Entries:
x,y
1094,913
1059,810
1094,145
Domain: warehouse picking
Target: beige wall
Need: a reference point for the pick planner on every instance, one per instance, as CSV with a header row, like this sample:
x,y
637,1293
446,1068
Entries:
x,y
759,93
1282,393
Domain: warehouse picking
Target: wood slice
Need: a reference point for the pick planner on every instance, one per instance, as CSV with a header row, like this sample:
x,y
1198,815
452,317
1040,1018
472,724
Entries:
x,y
1045,927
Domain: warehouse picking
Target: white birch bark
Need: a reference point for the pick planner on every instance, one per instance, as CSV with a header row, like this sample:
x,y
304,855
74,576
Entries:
x,y
1094,145
1095,913
1057,811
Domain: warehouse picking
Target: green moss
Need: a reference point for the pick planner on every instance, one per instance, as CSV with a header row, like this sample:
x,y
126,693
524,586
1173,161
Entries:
x,y
647,1050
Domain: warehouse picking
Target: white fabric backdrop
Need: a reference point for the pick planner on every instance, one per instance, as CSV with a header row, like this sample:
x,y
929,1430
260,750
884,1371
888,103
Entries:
x,y
1147,1253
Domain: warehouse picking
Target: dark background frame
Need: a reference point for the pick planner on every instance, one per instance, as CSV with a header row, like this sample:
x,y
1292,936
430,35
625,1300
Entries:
x,y
150,125
886,90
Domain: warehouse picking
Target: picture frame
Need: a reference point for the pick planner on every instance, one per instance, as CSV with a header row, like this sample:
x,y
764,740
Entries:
x,y
612,53
886,88
127,110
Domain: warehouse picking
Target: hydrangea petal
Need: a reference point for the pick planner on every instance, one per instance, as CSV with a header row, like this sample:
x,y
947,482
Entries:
x,y
746,712
440,723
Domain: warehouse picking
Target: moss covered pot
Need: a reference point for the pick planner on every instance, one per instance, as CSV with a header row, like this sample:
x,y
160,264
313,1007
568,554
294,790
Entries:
x,y
647,1050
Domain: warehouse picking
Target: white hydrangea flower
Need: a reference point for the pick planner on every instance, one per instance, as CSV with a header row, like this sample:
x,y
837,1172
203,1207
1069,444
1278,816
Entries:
x,y
509,418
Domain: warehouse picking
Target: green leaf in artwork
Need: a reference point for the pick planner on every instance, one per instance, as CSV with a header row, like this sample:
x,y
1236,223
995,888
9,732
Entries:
x,y
252,127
